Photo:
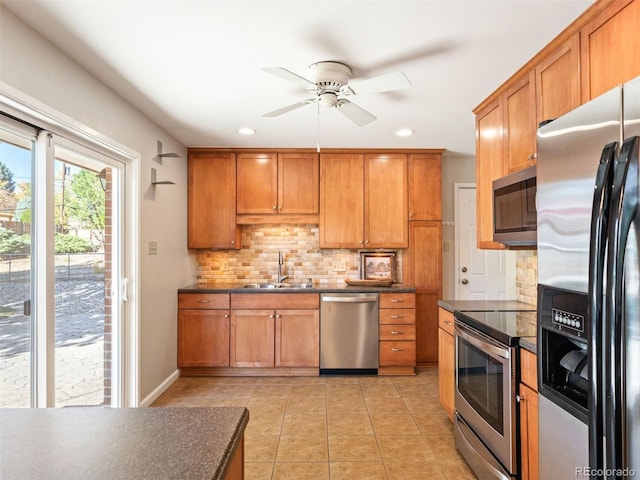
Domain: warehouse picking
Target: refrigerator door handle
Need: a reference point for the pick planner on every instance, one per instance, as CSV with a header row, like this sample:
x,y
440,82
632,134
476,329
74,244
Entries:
x,y
623,208
597,249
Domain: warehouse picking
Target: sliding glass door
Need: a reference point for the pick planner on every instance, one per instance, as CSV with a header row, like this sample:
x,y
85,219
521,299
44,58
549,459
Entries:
x,y
61,272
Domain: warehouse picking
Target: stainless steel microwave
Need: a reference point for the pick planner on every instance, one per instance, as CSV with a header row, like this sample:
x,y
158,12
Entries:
x,y
514,208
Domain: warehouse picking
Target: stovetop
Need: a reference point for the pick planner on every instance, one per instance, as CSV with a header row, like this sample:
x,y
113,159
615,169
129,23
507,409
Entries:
x,y
505,326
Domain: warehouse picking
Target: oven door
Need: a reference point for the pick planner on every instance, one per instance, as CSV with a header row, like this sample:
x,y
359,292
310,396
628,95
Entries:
x,y
485,391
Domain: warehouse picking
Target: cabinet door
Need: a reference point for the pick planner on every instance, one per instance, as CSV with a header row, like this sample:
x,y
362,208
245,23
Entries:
x,y
386,203
297,338
520,123
558,81
609,48
489,166
257,186
252,338
446,372
425,187
211,215
203,338
298,183
341,200
529,432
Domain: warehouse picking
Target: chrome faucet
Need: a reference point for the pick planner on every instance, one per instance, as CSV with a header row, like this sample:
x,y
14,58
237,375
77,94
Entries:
x,y
281,278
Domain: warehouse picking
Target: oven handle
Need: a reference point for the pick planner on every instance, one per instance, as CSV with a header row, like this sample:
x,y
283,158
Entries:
x,y
483,343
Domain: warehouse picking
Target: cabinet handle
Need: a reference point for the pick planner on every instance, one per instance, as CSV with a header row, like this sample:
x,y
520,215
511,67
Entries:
x,y
410,214
519,398
532,156
397,349
398,332
397,316
204,301
397,300
366,242
226,315
448,322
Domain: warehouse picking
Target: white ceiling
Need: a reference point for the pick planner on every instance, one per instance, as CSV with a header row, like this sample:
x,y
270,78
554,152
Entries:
x,y
195,67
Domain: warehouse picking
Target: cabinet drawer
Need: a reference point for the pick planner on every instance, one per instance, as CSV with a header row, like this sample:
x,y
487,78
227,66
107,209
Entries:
x,y
275,300
397,332
203,301
397,300
529,368
445,320
397,353
397,315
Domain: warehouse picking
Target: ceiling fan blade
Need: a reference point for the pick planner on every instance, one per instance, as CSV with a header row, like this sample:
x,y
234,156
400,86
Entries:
x,y
353,112
288,108
292,77
383,83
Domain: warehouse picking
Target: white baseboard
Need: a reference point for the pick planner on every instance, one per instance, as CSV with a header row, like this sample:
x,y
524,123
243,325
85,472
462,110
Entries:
x,y
160,389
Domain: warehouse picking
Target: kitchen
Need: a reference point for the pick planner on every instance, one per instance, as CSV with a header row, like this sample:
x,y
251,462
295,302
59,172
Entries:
x,y
155,361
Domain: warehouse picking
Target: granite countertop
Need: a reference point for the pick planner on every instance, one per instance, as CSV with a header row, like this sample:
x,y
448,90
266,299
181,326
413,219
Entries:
x,y
111,443
317,288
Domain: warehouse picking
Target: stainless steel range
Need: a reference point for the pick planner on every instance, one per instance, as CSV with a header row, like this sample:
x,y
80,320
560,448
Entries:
x,y
487,362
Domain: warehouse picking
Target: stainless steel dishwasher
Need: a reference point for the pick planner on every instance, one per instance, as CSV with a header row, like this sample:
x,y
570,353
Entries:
x,y
348,333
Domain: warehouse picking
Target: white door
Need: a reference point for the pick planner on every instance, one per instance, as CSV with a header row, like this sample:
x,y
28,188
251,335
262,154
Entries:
x,y
61,270
480,274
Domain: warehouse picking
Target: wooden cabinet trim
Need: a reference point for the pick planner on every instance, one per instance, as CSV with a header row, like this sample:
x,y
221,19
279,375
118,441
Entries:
x,y
529,368
275,300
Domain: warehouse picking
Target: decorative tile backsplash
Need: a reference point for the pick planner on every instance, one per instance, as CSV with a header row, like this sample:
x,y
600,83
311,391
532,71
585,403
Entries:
x,y
257,261
527,276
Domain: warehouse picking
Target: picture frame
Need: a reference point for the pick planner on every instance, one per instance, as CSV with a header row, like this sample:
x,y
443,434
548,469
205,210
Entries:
x,y
378,266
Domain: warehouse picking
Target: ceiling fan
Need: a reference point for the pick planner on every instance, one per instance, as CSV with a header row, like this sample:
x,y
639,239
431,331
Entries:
x,y
329,81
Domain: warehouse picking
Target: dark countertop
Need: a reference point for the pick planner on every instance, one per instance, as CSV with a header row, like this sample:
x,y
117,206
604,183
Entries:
x,y
317,288
485,305
522,327
113,443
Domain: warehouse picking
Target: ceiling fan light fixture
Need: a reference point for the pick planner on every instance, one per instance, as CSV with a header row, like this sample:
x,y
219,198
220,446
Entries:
x,y
404,132
246,131
328,99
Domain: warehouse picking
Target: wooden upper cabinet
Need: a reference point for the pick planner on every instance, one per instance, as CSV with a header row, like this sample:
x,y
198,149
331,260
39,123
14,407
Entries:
x,y
520,123
425,186
277,184
558,81
211,215
385,201
609,49
298,183
363,200
341,200
489,166
257,186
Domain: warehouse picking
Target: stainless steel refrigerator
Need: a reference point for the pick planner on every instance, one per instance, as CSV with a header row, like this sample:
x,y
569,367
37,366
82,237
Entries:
x,y
588,238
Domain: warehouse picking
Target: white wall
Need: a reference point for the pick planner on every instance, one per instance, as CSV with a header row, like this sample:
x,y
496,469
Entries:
x,y
35,67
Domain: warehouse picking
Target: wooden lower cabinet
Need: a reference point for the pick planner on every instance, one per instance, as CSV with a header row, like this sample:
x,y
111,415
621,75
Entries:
x,y
252,338
446,361
397,334
297,338
528,400
203,330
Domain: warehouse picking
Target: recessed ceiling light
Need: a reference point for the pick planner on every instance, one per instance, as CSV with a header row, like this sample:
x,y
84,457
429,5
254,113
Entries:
x,y
404,132
246,131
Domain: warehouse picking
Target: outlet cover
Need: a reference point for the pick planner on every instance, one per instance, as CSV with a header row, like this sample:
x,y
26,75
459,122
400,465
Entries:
x,y
153,247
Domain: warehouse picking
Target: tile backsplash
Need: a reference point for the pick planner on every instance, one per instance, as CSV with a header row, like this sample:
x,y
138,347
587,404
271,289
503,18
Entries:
x,y
527,276
257,261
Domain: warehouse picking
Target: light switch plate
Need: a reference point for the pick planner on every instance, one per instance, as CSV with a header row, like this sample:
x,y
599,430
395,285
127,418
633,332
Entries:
x,y
153,247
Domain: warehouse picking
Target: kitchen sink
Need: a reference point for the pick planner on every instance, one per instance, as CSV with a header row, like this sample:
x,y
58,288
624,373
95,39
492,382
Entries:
x,y
278,285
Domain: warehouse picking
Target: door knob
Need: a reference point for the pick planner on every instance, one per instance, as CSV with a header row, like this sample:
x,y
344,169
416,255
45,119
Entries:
x,y
464,281
464,269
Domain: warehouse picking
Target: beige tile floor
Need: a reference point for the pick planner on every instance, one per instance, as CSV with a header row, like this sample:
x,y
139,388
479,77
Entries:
x,y
335,427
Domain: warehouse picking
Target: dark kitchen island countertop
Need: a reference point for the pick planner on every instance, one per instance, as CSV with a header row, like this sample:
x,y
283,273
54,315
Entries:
x,y
117,443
